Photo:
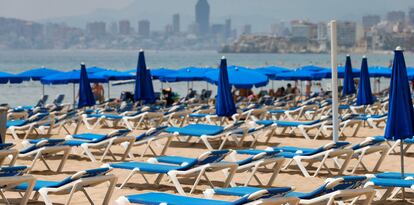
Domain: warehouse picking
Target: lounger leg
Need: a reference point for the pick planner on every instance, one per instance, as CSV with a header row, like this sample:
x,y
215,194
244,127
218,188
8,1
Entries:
x,y
111,188
301,167
88,152
64,158
206,143
72,191
132,173
87,195
4,198
45,197
196,181
381,159
176,183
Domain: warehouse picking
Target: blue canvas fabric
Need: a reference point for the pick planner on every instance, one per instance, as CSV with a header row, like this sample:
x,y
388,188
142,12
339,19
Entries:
x,y
239,77
115,75
196,129
71,77
11,78
364,96
86,98
349,85
144,90
393,175
400,123
224,101
186,74
378,71
38,73
271,71
156,198
387,182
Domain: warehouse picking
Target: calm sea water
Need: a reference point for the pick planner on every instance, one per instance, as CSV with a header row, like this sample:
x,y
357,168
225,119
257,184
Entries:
x,y
28,93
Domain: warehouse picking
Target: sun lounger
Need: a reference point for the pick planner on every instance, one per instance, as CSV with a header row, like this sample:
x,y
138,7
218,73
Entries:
x,y
267,161
149,138
303,126
371,145
333,191
205,133
77,182
60,122
27,126
172,167
143,120
321,154
88,141
7,152
265,196
391,182
10,177
40,149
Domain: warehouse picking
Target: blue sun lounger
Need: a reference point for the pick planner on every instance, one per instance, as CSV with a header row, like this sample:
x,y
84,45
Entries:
x,y
302,126
175,166
321,154
10,177
38,150
88,141
334,189
28,126
274,195
72,184
6,151
391,182
205,132
148,138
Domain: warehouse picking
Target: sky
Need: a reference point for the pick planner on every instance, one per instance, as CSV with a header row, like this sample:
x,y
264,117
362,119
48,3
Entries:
x,y
259,13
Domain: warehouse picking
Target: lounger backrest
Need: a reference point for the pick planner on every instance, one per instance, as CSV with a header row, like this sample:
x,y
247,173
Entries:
x,y
37,117
12,171
59,99
329,146
262,155
262,194
369,141
212,157
152,132
84,174
340,183
233,126
43,143
6,146
118,133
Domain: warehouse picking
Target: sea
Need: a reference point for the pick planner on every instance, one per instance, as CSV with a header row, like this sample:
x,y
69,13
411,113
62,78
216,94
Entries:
x,y
28,93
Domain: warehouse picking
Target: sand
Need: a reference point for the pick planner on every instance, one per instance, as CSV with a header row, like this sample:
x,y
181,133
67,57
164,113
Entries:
x,y
291,177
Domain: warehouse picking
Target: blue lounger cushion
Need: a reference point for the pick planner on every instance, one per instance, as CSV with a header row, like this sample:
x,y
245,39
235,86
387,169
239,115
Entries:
x,y
16,123
174,159
148,167
245,190
6,146
89,136
393,175
54,184
287,123
108,116
198,115
156,198
196,130
375,140
50,143
12,171
385,182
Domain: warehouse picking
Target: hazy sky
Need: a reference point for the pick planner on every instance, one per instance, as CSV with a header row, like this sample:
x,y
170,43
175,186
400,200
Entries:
x,y
260,13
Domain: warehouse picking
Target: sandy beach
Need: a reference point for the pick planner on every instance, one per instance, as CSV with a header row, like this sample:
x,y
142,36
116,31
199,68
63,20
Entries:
x,y
291,177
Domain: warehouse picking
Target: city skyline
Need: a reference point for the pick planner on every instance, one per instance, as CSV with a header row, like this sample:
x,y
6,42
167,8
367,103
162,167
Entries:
x,y
259,15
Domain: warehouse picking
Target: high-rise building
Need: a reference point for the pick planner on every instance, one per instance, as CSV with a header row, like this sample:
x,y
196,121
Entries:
x,y
124,27
96,29
113,28
369,21
246,29
176,23
304,29
202,13
144,28
396,16
411,16
322,31
347,33
227,28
